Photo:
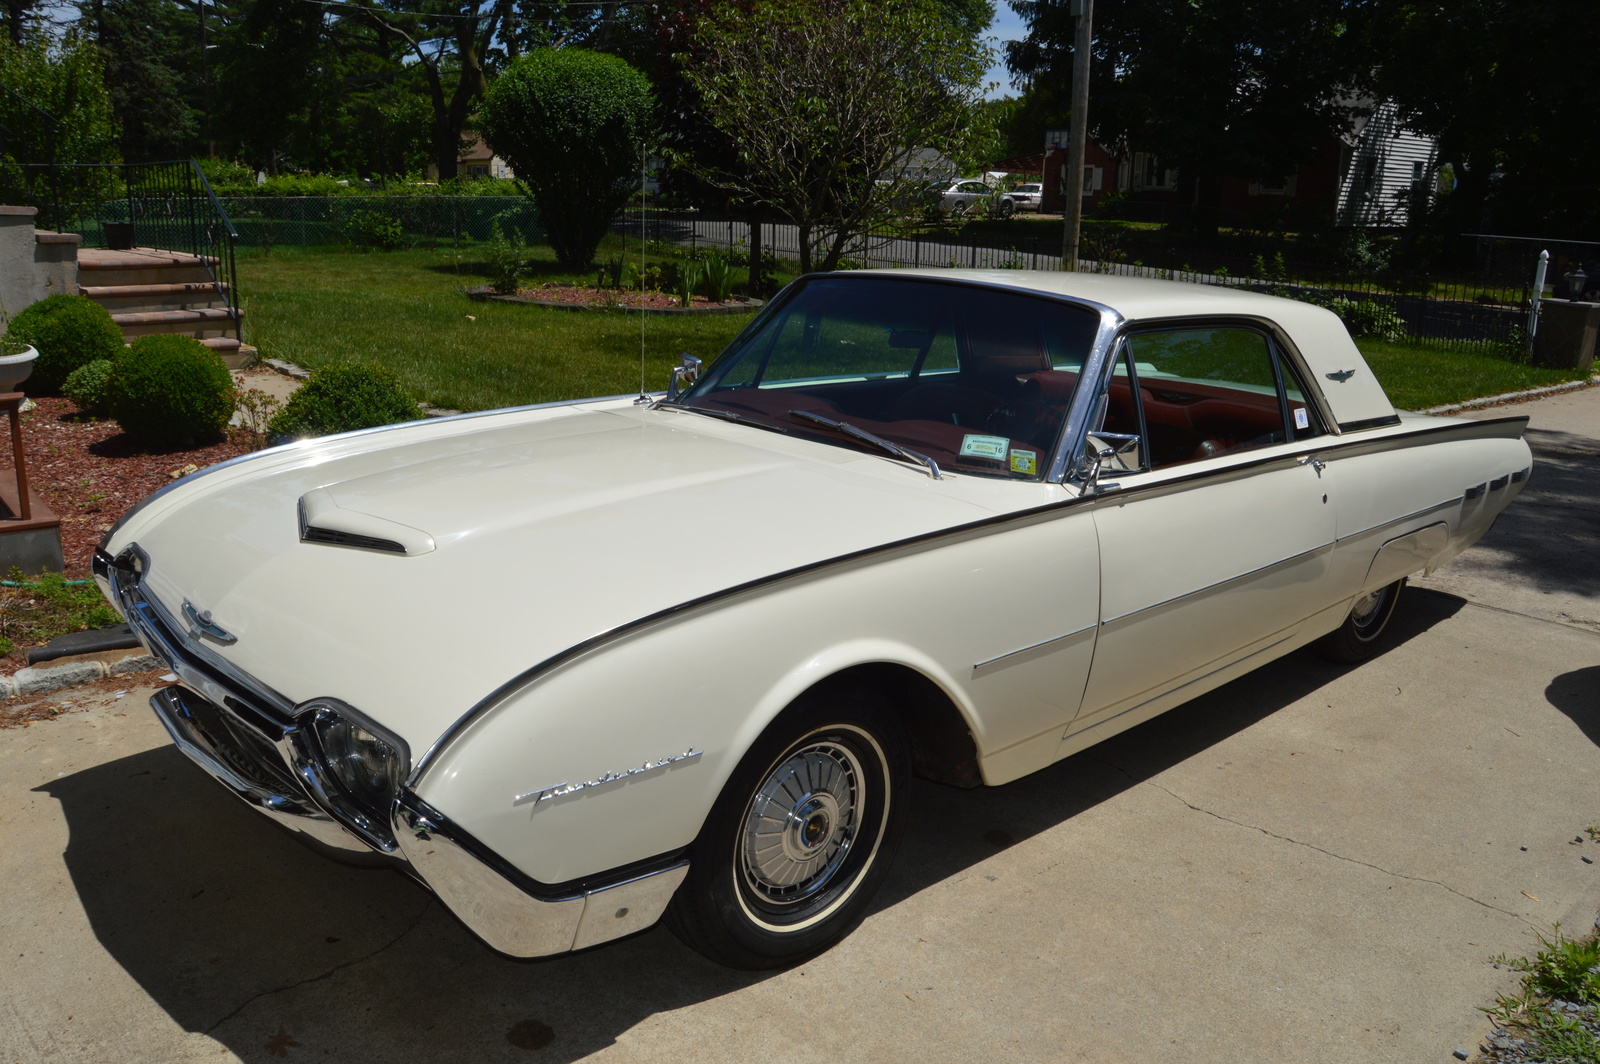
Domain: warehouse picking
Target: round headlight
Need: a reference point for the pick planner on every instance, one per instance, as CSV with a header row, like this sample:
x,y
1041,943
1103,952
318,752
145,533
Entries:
x,y
367,767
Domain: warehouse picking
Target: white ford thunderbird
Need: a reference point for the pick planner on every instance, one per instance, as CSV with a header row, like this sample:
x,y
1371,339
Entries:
x,y
585,666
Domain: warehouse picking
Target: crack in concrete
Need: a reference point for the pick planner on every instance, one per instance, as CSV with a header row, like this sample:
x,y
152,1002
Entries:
x,y
1573,624
336,969
1309,845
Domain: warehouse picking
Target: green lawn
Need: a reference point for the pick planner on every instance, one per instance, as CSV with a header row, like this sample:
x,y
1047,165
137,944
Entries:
x,y
1418,378
407,310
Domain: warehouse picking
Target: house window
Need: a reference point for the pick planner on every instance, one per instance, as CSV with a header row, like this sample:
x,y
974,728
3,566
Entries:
x,y
478,170
1283,186
1149,173
1093,179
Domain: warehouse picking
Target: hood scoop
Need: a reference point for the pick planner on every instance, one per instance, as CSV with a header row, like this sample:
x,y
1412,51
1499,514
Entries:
x,y
322,520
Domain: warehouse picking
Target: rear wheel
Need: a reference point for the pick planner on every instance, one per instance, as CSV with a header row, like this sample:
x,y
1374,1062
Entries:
x,y
800,838
1358,638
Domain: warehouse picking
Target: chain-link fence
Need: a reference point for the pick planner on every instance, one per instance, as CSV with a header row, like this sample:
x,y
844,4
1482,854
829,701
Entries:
x,y
396,221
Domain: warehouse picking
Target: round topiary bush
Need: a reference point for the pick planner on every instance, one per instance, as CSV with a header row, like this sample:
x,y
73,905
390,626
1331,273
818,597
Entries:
x,y
90,387
342,398
69,331
572,123
168,390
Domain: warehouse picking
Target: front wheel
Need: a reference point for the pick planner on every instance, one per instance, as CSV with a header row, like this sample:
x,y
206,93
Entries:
x,y
800,838
1357,639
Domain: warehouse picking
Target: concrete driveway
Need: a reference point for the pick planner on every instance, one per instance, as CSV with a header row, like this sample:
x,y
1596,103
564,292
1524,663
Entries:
x,y
1310,864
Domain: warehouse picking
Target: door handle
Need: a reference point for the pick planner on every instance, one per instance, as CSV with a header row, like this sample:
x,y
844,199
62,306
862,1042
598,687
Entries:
x,y
1314,462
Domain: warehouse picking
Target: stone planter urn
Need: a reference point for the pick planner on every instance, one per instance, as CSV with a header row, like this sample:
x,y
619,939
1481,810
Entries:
x,y
16,362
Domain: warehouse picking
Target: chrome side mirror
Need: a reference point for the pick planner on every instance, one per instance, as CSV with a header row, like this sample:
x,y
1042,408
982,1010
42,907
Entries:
x,y
683,376
1116,452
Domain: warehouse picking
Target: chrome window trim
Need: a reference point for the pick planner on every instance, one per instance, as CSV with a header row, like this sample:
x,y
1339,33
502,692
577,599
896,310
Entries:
x,y
1069,439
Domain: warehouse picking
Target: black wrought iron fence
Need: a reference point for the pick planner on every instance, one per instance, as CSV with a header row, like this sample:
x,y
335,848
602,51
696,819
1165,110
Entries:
x,y
1464,307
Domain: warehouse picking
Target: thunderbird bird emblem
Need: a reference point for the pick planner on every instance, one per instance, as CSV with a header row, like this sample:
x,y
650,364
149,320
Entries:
x,y
200,624
1340,375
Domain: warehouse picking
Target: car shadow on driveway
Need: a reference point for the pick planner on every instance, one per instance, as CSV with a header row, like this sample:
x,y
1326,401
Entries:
x,y
1577,694
239,933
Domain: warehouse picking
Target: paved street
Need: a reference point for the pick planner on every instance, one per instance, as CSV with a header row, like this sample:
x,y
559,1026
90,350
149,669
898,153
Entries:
x,y
1310,864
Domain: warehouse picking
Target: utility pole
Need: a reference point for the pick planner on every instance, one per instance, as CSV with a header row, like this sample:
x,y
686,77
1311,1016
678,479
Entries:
x,y
1084,10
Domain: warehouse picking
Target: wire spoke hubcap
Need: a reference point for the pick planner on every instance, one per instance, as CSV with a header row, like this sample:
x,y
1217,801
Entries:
x,y
801,823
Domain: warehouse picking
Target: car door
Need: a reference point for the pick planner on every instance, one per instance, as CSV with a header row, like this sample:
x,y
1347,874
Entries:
x,y
1216,545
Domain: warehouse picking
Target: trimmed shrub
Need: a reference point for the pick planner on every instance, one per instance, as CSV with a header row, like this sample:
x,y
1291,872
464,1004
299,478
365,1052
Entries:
x,y
168,390
342,398
1368,318
90,387
375,229
573,124
69,331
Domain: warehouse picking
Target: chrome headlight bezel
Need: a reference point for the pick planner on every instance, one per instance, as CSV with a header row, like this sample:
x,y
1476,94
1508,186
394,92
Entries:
x,y
351,765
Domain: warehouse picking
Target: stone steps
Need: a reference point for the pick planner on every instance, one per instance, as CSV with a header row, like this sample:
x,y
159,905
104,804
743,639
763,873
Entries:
x,y
150,291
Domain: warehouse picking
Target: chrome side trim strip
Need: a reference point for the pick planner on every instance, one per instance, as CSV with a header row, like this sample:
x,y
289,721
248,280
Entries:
x,y
1426,511
1281,563
1015,657
1322,446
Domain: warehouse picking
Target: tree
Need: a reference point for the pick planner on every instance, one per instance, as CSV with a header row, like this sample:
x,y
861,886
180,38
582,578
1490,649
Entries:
x,y
573,124
449,41
152,63
57,111
1492,81
822,101
1212,87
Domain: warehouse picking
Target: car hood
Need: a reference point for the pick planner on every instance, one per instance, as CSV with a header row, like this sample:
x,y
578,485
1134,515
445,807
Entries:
x,y
525,534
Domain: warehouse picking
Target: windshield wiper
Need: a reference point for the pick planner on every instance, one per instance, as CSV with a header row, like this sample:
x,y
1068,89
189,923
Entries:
x,y
866,437
729,415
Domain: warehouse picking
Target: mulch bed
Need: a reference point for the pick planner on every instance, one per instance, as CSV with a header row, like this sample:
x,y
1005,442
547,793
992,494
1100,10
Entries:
x,y
90,472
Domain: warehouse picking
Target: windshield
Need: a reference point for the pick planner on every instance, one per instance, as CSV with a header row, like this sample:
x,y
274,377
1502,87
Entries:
x,y
978,379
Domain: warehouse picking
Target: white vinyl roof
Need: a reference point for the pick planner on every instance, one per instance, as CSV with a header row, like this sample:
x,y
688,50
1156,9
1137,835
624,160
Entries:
x,y
1318,334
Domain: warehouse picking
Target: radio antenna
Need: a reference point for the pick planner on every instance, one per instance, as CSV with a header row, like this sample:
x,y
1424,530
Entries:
x,y
643,398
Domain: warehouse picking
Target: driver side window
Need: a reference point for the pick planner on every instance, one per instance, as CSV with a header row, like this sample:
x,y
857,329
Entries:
x,y
1205,392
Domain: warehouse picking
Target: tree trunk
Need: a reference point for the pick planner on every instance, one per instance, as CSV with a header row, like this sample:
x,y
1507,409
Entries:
x,y
804,231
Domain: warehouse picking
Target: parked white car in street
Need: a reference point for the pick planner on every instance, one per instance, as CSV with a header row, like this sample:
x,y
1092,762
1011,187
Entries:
x,y
1022,198
581,666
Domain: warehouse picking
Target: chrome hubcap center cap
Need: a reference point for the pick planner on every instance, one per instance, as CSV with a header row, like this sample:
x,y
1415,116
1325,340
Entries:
x,y
810,827
800,824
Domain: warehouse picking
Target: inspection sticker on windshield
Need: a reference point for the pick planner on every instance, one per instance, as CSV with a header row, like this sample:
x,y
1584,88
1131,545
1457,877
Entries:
x,y
1302,420
984,446
1025,462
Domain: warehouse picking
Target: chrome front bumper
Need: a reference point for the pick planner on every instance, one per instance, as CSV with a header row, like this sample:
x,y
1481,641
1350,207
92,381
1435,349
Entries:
x,y
244,736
